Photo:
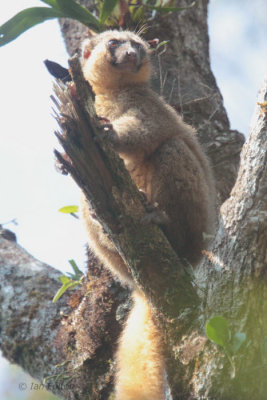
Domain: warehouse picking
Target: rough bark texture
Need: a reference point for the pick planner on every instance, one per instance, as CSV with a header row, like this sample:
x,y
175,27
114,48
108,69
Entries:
x,y
231,278
57,343
235,277
28,319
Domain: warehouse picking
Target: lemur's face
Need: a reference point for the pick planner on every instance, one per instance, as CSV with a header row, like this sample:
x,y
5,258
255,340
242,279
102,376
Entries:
x,y
126,55
115,56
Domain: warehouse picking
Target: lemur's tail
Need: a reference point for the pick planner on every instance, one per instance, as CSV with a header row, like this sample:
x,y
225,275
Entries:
x,y
140,360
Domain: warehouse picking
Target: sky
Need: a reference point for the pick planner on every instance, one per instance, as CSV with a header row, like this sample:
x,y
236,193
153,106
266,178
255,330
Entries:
x,y
31,190
238,49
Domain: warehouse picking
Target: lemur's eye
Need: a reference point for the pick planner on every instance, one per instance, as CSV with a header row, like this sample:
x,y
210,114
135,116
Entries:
x,y
137,45
113,43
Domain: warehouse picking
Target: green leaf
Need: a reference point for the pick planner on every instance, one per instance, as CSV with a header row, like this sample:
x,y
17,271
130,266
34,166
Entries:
x,y
62,290
69,209
52,3
162,44
217,331
24,20
138,14
73,10
106,10
238,339
77,272
32,16
64,279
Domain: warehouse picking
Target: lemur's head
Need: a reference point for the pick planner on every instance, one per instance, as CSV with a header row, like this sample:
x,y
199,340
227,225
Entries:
x,y
115,59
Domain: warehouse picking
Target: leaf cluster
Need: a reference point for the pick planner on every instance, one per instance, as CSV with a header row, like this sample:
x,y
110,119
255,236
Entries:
x,y
218,331
70,281
107,13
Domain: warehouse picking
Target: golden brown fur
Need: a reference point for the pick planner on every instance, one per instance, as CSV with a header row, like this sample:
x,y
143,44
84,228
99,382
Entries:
x,y
166,162
140,361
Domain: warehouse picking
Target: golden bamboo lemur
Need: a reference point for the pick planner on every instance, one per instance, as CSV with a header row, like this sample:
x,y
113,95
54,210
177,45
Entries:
x,y
165,161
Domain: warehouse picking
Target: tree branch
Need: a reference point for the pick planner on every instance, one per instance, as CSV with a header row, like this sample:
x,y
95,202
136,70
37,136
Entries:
x,y
67,345
233,276
29,320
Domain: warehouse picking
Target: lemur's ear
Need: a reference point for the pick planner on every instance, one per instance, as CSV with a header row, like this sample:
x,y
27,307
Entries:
x,y
88,44
86,49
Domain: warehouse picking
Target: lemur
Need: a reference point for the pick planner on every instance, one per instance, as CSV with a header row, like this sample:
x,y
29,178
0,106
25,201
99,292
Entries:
x,y
165,160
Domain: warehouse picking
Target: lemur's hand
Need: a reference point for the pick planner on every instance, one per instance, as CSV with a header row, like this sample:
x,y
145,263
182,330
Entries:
x,y
107,131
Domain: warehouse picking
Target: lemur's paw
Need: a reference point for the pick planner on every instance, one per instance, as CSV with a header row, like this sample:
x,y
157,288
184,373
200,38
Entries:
x,y
105,124
107,131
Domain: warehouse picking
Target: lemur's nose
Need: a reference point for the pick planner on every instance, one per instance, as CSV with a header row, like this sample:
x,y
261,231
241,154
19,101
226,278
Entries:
x,y
131,54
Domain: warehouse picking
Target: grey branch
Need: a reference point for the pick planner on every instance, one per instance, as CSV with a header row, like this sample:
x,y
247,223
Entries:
x,y
68,345
29,321
233,277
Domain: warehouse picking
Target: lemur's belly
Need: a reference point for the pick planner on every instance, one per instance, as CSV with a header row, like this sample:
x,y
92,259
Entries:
x,y
141,174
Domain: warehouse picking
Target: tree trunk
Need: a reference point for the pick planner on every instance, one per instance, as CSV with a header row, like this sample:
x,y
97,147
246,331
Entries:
x,y
229,281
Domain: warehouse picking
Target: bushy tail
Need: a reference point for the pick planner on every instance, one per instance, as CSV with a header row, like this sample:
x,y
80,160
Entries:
x,y
140,362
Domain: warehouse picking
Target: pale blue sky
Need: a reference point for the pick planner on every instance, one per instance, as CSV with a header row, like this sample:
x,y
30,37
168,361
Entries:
x,y
238,48
31,190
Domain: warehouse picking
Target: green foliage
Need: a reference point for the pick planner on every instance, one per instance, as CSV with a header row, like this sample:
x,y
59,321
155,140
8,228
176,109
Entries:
x,y
137,14
265,344
73,10
111,13
33,16
217,330
77,272
70,281
107,9
161,44
72,210
69,209
24,20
